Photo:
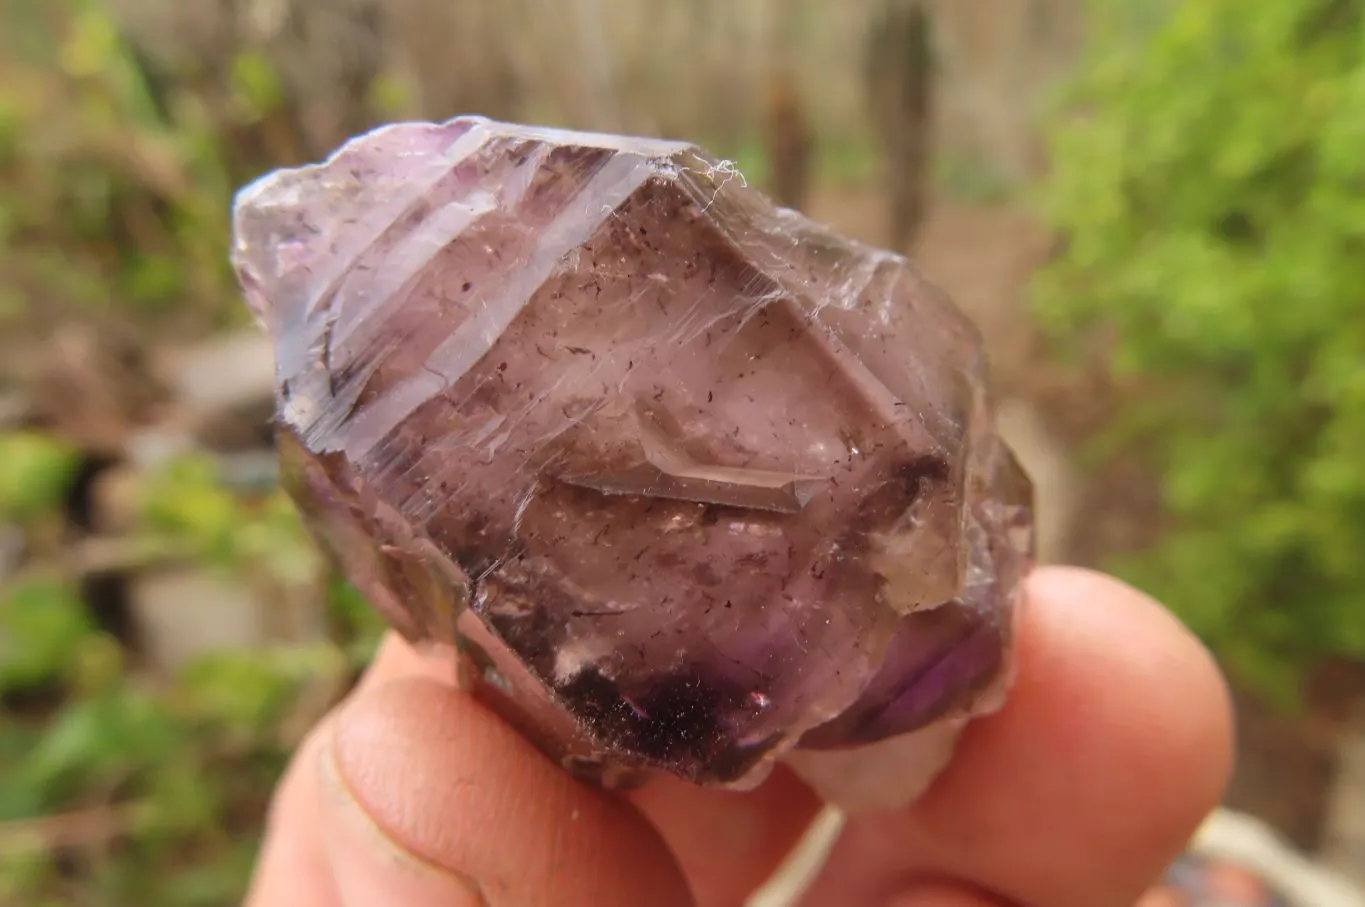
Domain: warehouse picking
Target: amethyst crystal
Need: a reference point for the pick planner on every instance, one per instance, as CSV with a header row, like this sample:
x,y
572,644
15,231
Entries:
x,y
690,480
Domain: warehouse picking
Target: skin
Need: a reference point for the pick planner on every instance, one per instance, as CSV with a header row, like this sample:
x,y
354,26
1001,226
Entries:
x,y
1115,743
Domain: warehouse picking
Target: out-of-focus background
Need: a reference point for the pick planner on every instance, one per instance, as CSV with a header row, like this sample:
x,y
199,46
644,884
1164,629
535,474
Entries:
x,y
1155,209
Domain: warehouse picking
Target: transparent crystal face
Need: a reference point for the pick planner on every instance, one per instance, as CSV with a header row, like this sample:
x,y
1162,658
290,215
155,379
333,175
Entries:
x,y
690,479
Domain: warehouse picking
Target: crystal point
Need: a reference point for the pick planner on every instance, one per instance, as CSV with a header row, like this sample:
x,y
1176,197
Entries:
x,y
691,481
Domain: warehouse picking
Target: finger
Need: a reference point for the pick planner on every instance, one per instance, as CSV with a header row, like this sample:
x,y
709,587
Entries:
x,y
1114,744
292,869
396,658
943,894
296,868
429,799
728,844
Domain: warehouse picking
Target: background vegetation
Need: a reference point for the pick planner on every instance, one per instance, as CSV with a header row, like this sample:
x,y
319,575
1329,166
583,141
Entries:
x,y
119,783
1209,196
1205,180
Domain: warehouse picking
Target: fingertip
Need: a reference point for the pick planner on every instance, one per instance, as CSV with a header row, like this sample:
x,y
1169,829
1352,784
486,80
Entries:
x,y
292,868
1114,743
397,657
453,787
1147,672
941,894
729,843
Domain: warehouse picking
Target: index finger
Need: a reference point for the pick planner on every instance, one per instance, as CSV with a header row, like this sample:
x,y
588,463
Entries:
x,y
1114,745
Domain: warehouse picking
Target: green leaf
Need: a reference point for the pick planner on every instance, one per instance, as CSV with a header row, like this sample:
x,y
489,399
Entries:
x,y
38,470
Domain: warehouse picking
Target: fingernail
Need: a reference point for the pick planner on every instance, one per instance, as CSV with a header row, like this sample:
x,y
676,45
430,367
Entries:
x,y
369,867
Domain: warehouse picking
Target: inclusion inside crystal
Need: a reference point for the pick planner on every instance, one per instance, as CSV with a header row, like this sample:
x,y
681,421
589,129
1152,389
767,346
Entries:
x,y
690,479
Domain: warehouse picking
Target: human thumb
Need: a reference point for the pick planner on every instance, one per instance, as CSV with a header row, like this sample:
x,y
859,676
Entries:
x,y
368,865
428,799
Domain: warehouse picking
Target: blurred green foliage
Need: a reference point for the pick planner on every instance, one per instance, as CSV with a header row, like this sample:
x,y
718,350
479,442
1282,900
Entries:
x,y
112,195
119,784
38,468
120,788
1209,183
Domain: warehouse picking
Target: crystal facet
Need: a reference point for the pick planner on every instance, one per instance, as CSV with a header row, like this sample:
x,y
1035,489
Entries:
x,y
690,480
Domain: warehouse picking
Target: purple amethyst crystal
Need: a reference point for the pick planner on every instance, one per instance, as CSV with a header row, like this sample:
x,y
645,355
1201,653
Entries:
x,y
690,480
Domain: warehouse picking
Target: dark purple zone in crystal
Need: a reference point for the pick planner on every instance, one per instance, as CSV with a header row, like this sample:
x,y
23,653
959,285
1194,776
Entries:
x,y
691,479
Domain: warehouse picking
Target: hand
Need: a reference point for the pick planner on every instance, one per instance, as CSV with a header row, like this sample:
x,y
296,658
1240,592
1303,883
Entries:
x,y
1114,744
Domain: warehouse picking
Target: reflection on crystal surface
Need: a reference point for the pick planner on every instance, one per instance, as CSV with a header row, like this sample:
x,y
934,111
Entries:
x,y
696,479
